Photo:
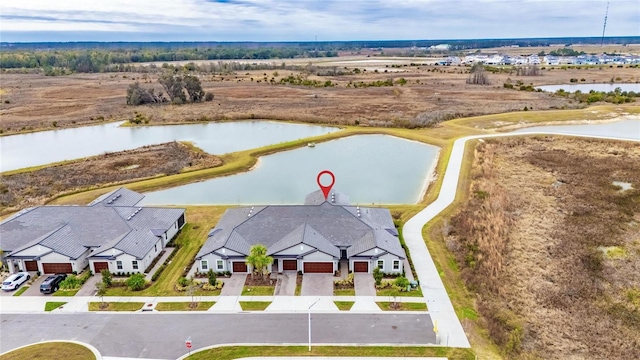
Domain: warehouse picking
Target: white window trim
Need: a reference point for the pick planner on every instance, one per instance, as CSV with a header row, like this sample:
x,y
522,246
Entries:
x,y
220,265
119,265
134,264
394,265
378,264
204,265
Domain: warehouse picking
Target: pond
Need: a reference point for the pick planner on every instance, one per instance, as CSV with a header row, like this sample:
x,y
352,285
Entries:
x,y
626,129
585,88
39,148
368,168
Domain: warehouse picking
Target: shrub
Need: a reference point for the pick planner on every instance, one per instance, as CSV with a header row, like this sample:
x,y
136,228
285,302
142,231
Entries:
x,y
183,281
347,282
208,96
378,275
136,282
107,280
212,277
71,282
401,282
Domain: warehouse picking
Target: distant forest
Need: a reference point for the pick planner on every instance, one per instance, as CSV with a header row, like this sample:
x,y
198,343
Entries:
x,y
102,56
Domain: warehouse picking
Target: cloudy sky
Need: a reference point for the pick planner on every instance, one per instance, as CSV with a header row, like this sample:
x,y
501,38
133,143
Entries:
x,y
304,20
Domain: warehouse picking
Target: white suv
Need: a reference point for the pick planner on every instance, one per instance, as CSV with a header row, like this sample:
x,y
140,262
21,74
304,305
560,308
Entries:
x,y
14,281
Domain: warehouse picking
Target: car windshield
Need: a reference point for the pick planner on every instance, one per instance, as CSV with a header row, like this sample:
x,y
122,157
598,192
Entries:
x,y
6,283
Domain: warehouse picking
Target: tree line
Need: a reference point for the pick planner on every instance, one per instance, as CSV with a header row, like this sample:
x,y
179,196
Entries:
x,y
99,60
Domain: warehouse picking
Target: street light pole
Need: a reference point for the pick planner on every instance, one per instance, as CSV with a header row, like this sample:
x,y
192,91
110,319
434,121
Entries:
x,y
310,306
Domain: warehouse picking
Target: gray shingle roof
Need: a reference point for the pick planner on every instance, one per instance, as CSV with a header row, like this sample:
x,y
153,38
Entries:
x,y
335,198
119,197
70,230
324,226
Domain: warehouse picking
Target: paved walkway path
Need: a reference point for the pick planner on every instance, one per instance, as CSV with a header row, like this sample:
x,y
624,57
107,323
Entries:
x,y
364,284
167,252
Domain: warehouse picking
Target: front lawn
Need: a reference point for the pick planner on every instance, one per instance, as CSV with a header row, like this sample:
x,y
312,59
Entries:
x,y
20,291
184,306
344,305
51,350
387,306
417,292
258,290
61,292
52,305
344,292
116,306
254,305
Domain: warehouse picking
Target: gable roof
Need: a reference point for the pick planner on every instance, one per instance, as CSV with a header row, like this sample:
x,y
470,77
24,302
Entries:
x,y
70,230
325,226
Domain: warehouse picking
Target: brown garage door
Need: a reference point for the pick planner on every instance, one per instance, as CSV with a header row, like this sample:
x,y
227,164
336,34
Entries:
x,y
99,266
239,266
290,264
318,267
52,268
31,265
361,266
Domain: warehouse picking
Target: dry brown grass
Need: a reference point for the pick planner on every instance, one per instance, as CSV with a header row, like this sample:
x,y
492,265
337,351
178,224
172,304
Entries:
x,y
554,294
37,101
20,189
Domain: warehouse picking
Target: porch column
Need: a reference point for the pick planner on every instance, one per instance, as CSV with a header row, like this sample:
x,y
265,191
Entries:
x,y
12,269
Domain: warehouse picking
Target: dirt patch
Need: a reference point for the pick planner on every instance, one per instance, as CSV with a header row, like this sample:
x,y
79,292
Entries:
x,y
33,188
530,239
258,280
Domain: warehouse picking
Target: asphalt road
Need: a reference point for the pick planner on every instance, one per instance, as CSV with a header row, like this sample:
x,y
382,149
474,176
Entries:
x,y
162,336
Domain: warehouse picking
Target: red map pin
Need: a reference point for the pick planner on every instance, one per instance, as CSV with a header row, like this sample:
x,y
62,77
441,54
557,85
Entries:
x,y
326,189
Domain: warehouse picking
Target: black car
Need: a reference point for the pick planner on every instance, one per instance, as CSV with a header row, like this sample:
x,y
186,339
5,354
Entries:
x,y
51,283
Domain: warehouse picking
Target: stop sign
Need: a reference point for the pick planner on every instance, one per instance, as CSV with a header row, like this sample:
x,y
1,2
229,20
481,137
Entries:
x,y
188,343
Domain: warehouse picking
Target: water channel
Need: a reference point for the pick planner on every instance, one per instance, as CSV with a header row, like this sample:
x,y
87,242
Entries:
x,y
625,129
369,168
45,147
585,88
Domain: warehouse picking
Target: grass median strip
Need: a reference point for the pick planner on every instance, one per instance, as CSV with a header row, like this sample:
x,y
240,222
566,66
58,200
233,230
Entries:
x,y
417,292
237,352
115,306
21,291
344,305
184,306
254,305
51,350
400,306
52,305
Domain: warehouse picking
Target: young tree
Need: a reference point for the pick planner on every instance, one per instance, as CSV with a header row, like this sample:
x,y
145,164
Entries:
x,y
107,280
101,291
259,260
136,282
212,277
378,275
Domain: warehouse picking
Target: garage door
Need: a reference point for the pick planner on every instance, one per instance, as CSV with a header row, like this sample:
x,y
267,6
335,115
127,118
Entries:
x,y
239,266
361,266
99,266
52,268
318,267
290,264
31,265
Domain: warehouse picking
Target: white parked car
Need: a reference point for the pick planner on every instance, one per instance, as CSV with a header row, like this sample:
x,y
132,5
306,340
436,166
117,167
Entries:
x,y
14,281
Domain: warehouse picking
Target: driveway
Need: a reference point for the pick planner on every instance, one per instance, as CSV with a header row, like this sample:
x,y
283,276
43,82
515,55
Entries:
x,y
364,284
233,285
89,287
286,285
34,288
317,285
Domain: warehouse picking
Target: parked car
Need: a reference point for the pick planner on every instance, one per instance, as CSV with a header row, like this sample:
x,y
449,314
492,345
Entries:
x,y
51,283
14,281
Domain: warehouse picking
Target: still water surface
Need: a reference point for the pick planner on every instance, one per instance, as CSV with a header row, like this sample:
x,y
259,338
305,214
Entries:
x,y
585,88
626,129
45,147
368,168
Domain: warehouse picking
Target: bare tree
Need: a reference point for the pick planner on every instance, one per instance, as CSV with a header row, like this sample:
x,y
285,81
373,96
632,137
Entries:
x,y
478,75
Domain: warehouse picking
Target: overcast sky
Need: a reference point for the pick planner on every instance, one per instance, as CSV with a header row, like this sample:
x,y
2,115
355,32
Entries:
x,y
303,20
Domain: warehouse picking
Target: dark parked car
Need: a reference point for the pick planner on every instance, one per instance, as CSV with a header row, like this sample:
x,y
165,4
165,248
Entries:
x,y
51,283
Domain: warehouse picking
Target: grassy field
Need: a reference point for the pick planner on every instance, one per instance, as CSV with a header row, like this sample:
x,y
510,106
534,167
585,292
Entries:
x,y
52,305
116,306
51,350
257,290
237,352
344,305
184,306
20,291
386,306
254,305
